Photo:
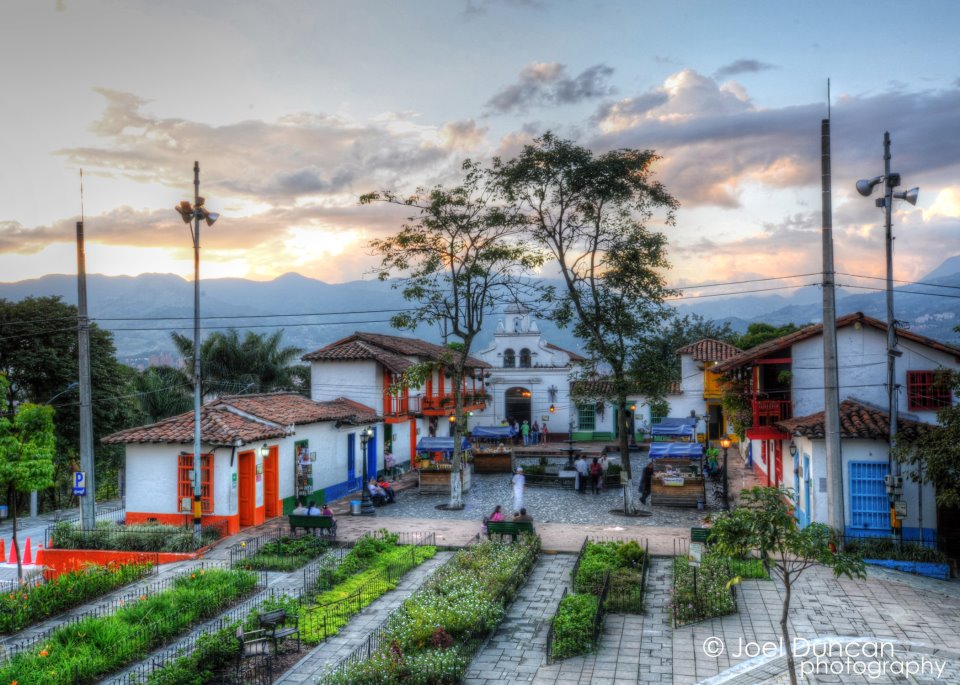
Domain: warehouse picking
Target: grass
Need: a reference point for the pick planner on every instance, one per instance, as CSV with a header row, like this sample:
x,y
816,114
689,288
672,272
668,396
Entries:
x,y
285,554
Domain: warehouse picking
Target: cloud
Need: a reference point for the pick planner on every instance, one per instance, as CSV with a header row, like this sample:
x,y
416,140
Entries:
x,y
742,66
547,83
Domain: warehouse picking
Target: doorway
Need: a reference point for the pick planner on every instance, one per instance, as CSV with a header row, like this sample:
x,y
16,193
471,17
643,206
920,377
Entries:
x,y
247,488
517,405
271,485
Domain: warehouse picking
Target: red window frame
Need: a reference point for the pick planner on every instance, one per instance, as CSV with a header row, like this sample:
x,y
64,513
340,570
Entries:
x,y
185,485
926,391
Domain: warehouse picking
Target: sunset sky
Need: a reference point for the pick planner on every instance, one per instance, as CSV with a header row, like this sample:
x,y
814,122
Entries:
x,y
295,108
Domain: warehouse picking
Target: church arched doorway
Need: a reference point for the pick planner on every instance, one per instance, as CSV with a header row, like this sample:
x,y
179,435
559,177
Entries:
x,y
517,404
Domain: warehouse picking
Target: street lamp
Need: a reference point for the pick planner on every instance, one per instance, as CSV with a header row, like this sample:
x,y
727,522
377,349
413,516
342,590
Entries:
x,y
725,443
865,187
193,213
366,504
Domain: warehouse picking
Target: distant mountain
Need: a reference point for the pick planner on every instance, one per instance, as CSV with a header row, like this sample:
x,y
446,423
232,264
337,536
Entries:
x,y
143,310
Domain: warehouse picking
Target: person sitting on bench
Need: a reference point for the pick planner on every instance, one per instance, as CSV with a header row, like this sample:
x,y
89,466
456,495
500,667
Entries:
x,y
377,493
312,509
300,509
388,491
523,516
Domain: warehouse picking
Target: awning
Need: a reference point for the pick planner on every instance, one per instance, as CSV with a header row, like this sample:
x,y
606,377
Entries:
x,y
501,432
675,427
690,450
440,444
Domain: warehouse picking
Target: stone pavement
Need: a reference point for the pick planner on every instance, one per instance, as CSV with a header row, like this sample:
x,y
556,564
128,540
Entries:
x,y
328,653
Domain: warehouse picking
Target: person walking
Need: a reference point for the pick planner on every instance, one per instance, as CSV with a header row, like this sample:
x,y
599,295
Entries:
x,y
646,482
596,471
582,471
525,432
518,484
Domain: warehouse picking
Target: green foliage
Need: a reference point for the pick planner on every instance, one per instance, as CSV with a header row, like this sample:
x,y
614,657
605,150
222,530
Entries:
x,y
148,537
214,653
40,601
162,391
88,649
285,554
701,593
759,333
935,453
885,548
573,625
737,408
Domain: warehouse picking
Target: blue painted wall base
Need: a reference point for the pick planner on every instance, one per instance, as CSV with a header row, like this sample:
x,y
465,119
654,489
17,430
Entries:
x,y
920,568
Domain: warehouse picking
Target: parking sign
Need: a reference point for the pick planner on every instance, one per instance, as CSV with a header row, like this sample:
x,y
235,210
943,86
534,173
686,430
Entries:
x,y
79,483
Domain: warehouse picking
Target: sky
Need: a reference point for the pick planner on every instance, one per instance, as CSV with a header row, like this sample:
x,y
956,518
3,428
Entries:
x,y
294,109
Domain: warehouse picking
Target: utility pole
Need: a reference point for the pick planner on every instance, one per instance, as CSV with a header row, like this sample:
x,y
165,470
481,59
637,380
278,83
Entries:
x,y
88,501
831,383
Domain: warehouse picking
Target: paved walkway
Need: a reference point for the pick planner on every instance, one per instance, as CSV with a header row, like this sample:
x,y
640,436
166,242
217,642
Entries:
x,y
328,653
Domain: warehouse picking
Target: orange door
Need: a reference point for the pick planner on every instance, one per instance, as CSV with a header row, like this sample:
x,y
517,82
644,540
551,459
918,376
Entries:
x,y
247,488
271,485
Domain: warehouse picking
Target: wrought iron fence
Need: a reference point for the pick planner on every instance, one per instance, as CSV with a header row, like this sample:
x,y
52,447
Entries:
x,y
550,631
893,548
140,538
701,590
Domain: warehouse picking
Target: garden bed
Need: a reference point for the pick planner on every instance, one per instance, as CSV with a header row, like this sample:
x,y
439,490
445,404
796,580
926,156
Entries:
x,y
701,592
281,553
147,537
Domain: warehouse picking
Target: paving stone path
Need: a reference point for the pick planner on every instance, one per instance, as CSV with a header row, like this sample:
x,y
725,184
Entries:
x,y
328,653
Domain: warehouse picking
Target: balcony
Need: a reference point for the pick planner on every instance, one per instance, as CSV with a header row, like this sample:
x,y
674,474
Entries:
x,y
769,412
400,407
438,405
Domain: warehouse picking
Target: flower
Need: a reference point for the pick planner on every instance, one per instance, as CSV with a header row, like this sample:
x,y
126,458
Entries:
x,y
44,653
143,598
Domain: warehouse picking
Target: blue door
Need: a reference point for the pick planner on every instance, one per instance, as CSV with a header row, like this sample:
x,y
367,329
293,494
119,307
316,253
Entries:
x,y
351,459
797,511
869,507
807,483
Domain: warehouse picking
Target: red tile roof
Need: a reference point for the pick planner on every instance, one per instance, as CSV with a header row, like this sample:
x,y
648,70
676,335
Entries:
x,y
248,418
603,388
389,350
856,421
709,350
786,341
574,357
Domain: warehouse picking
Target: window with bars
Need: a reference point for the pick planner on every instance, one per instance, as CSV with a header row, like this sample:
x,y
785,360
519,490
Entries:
x,y
927,390
869,506
185,484
586,417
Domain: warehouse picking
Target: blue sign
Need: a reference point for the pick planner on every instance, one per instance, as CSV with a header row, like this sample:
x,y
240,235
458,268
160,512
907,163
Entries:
x,y
79,483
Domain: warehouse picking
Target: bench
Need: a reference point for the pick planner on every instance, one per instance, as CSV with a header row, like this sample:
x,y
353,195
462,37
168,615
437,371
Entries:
x,y
511,528
275,628
325,524
699,535
253,643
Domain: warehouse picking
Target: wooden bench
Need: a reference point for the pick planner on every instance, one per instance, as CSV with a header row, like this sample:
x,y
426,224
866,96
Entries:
x,y
275,628
252,643
511,528
699,535
325,524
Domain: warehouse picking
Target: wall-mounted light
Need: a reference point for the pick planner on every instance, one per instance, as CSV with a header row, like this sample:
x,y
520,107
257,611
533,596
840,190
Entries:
x,y
633,407
265,450
552,409
453,419
793,448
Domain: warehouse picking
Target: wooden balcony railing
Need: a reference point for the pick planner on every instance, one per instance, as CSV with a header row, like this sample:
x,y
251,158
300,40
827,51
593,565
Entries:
x,y
445,402
400,406
769,412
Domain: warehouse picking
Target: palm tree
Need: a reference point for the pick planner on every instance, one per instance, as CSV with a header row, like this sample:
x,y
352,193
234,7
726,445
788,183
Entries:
x,y
162,391
257,363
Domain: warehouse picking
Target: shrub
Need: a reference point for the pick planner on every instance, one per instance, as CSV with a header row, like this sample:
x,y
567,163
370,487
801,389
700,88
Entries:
x,y
214,653
285,554
573,625
887,548
139,538
33,603
624,562
700,593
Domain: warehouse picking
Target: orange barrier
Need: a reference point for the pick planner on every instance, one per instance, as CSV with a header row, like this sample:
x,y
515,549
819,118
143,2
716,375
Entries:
x,y
60,561
38,561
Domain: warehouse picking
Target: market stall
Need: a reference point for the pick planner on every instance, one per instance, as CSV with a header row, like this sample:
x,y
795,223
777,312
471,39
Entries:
x,y
677,474
492,451
675,429
434,465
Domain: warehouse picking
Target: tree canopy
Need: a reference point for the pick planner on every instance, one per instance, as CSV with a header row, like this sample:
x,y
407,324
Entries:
x,y
589,213
759,333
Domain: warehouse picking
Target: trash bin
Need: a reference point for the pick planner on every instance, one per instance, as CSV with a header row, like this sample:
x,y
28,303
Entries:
x,y
355,507
4,511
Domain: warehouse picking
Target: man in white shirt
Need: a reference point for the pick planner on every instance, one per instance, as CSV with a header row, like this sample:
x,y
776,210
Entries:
x,y
582,472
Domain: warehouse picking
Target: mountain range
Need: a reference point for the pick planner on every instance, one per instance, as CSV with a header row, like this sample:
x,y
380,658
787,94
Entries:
x,y
143,310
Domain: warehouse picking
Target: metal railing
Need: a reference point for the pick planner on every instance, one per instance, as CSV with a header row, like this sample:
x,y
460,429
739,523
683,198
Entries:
x,y
245,549
701,591
138,538
891,547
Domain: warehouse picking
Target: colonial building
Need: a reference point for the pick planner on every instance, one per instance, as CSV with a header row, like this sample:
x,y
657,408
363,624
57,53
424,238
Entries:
x,y
259,453
782,382
530,377
366,366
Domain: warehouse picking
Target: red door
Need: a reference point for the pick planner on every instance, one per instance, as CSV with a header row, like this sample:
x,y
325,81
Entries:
x,y
247,488
271,485
778,450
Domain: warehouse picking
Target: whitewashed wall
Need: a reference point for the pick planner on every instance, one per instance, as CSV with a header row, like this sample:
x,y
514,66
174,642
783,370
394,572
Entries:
x,y
360,381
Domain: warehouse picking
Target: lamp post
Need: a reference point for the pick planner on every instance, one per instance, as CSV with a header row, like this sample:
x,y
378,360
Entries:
x,y
725,444
865,187
366,504
191,215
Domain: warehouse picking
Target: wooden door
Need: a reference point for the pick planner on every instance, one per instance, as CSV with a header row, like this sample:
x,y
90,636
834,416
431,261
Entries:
x,y
271,485
247,488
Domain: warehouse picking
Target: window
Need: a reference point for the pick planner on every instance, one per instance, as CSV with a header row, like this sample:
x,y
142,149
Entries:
x,y
185,485
524,358
586,417
869,506
927,390
509,359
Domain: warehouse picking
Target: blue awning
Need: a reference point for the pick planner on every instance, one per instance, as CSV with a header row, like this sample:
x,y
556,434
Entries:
x,y
440,444
690,450
684,427
501,432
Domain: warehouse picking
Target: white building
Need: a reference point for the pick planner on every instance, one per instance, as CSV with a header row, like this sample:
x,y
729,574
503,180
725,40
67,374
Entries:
x,y
783,380
259,453
530,377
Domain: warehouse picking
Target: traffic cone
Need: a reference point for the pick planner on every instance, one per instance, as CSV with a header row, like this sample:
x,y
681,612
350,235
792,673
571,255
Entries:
x,y
13,555
38,561
3,550
27,556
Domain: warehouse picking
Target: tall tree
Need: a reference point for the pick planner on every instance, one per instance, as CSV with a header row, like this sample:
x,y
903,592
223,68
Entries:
x,y
589,213
456,259
759,333
26,451
162,391
256,363
765,522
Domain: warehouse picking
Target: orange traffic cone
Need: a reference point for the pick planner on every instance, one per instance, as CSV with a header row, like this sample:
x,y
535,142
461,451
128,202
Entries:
x,y
27,556
38,561
3,550
13,555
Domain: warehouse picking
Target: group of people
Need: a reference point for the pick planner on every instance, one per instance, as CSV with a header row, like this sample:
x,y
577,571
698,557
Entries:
x,y
593,473
528,434
311,509
497,515
381,492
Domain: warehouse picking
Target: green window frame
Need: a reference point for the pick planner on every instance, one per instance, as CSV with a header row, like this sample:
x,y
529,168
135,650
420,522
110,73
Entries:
x,y
586,417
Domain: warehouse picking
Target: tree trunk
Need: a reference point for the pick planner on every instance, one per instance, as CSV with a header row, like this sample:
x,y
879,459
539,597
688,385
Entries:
x,y
456,484
12,498
629,504
785,630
